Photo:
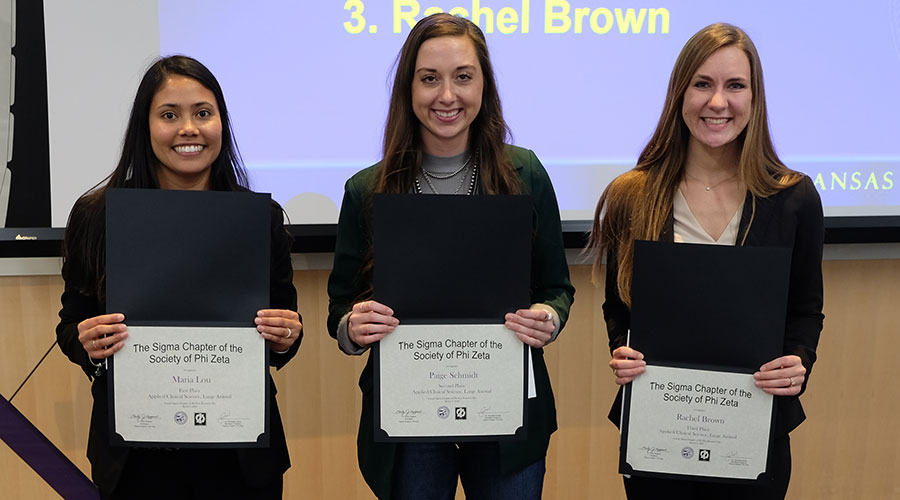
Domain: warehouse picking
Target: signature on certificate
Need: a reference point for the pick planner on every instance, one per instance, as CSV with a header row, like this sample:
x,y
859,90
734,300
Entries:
x,y
226,419
488,409
143,419
407,414
488,414
653,452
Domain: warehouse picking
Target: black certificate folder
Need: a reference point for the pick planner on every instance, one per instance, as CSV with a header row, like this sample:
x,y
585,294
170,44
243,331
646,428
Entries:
x,y
705,317
453,259
187,257
709,306
190,270
451,267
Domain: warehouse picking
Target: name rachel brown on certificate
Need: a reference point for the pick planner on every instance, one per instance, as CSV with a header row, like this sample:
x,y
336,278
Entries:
x,y
698,423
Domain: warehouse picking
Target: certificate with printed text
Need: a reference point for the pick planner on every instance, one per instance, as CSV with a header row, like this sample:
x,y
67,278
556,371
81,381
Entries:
x,y
190,385
189,270
451,267
453,382
698,422
705,317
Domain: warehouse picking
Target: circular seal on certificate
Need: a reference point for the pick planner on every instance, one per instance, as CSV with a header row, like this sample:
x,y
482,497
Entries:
x,y
443,412
687,452
180,418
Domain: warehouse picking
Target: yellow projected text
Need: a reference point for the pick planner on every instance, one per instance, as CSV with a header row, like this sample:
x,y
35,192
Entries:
x,y
559,17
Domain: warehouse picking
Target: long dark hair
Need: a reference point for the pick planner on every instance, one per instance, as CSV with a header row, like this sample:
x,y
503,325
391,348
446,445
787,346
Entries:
x,y
84,241
639,202
402,153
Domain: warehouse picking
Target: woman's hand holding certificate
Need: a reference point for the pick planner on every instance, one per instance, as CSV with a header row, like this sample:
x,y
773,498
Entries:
x,y
369,322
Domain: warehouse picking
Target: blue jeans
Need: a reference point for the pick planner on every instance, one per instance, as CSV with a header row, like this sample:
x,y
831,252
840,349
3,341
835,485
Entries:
x,y
429,471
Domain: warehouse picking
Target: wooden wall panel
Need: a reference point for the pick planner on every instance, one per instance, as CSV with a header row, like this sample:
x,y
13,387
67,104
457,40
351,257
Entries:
x,y
583,455
57,398
321,404
848,448
19,480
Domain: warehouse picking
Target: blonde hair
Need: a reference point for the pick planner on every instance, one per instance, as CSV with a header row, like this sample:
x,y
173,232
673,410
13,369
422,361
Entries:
x,y
638,203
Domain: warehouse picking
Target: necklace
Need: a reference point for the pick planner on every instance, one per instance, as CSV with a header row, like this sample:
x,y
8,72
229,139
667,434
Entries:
x,y
464,170
433,175
709,187
462,179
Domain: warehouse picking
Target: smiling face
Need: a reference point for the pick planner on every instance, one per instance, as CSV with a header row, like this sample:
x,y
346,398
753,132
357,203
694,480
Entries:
x,y
717,103
446,93
185,133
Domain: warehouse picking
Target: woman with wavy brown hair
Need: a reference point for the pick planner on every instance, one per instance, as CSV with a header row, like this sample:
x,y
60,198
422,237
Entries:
x,y
710,175
445,134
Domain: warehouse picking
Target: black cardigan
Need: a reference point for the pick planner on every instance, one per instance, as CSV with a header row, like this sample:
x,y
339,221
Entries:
x,y
792,218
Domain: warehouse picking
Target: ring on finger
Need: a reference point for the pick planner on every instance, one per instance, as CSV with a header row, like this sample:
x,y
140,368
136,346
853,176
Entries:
x,y
288,333
792,381
94,343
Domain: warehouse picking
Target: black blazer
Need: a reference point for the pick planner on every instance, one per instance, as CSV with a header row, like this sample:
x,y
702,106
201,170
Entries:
x,y
792,218
260,466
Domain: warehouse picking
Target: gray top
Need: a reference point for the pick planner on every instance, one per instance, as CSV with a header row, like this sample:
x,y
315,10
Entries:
x,y
448,174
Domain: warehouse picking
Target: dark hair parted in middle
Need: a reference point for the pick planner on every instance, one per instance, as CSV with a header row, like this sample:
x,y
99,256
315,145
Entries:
x,y
137,168
402,153
137,165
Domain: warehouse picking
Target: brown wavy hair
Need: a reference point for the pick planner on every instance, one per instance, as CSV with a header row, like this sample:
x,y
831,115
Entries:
x,y
402,148
638,202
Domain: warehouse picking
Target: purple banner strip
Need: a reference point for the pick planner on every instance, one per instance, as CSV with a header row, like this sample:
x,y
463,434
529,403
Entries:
x,y
41,455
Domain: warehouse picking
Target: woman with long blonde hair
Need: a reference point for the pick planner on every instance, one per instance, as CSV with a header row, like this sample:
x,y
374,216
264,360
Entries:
x,y
710,174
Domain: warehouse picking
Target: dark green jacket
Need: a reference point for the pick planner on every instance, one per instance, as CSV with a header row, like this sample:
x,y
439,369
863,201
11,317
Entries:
x,y
550,285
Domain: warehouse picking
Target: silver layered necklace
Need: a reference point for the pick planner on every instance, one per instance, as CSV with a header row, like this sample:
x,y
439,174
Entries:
x,y
471,162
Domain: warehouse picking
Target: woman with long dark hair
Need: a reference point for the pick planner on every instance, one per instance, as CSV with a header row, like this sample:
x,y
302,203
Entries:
x,y
710,175
178,137
445,134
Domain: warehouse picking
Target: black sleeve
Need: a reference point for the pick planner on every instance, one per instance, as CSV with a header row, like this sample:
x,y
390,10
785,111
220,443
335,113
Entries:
x,y
77,305
282,294
346,281
550,283
805,296
615,312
